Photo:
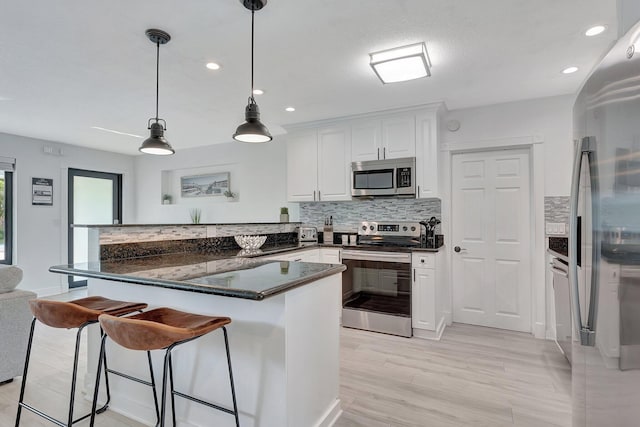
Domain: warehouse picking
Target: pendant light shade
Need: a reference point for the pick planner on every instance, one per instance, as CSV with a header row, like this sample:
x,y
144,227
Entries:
x,y
252,130
156,143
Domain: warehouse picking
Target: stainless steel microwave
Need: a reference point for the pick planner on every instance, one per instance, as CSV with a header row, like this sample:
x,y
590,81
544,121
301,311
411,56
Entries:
x,y
384,178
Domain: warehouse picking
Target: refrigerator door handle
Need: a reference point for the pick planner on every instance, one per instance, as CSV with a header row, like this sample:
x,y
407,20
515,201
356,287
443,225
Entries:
x,y
587,332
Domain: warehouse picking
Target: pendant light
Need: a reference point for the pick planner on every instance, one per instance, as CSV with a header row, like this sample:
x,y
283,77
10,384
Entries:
x,y
252,130
156,143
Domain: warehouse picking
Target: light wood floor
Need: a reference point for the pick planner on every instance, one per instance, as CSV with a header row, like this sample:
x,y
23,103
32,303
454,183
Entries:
x,y
474,376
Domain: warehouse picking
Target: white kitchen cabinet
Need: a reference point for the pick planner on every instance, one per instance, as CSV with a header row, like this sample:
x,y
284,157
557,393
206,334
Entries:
x,y
302,167
334,168
399,136
366,140
427,154
383,138
318,166
427,315
330,256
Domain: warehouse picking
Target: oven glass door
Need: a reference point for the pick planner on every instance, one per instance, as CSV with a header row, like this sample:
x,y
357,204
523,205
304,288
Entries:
x,y
377,286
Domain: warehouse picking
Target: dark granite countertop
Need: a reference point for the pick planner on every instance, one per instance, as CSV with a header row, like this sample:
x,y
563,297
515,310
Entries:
x,y
217,274
559,247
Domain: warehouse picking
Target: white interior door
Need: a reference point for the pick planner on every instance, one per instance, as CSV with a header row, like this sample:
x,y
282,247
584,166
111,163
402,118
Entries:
x,y
491,224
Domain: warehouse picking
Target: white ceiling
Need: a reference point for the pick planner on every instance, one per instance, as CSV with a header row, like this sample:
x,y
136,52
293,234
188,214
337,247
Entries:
x,y
68,65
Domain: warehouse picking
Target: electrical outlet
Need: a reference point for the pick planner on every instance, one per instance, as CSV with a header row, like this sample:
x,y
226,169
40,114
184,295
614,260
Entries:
x,y
555,228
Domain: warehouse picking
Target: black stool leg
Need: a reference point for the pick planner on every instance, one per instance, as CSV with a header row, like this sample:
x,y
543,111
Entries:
x,y
233,390
173,398
153,386
74,376
24,372
165,372
97,385
106,377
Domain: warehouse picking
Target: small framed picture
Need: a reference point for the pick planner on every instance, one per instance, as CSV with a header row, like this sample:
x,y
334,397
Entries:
x,y
210,185
42,191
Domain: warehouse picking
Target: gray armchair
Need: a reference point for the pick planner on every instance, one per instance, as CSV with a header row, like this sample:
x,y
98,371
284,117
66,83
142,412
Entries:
x,y
15,319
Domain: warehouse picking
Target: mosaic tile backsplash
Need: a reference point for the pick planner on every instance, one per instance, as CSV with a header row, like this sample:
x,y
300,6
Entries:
x,y
556,209
154,233
348,215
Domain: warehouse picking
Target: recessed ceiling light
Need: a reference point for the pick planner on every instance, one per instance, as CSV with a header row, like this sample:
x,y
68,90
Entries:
x,y
290,109
213,66
258,92
569,70
594,31
116,132
402,63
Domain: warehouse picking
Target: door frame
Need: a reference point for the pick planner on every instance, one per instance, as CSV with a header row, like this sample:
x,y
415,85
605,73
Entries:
x,y
534,144
117,208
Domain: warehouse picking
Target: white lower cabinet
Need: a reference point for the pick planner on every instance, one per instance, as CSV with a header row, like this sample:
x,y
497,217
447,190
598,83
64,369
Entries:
x,y
323,255
330,256
427,316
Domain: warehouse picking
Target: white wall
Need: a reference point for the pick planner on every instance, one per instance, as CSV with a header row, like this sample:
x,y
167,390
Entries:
x,y
258,176
40,232
548,118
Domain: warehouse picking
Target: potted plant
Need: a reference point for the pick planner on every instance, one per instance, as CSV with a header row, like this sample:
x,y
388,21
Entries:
x,y
195,215
284,214
166,199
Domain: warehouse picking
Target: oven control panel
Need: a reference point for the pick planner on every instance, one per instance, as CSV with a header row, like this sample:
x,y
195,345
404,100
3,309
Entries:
x,y
399,229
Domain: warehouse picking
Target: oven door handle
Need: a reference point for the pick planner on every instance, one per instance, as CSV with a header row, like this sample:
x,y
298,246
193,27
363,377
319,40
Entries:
x,y
376,256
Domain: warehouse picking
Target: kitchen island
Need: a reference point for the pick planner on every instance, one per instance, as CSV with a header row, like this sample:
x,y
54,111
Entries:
x,y
284,336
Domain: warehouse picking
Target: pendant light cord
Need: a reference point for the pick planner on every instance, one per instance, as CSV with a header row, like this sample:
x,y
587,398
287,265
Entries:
x,y
251,98
157,77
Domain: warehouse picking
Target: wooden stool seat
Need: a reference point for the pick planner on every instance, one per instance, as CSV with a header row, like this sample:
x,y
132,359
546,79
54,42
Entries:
x,y
73,314
158,328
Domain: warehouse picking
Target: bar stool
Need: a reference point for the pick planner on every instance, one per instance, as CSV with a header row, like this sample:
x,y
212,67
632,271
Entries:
x,y
78,314
165,328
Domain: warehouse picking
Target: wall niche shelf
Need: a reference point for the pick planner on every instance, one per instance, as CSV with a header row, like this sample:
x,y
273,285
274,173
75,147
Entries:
x,y
202,185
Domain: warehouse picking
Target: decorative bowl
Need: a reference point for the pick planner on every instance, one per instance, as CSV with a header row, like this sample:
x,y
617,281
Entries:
x,y
250,242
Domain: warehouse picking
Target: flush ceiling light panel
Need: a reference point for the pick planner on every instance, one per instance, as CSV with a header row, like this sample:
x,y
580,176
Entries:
x,y
401,63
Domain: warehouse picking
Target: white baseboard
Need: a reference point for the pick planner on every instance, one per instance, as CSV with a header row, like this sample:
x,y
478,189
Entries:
x,y
331,415
539,330
431,335
448,317
45,292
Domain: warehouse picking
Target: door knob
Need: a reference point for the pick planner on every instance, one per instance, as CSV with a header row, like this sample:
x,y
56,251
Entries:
x,y
458,249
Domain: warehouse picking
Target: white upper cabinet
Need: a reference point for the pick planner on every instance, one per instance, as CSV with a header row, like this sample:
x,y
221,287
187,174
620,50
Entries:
x,y
427,153
366,140
334,168
318,166
393,137
398,136
319,159
302,167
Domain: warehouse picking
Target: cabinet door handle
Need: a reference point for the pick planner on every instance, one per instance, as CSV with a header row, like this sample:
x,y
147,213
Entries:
x,y
418,194
384,153
319,197
414,274
314,195
378,153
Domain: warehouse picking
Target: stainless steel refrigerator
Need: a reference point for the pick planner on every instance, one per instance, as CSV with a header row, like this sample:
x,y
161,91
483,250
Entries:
x,y
605,289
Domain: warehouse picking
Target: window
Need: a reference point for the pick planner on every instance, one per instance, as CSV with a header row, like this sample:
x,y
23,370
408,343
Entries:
x,y
6,215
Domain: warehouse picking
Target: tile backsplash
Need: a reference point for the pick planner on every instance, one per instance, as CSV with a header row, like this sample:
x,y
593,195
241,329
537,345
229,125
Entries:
x,y
348,215
556,210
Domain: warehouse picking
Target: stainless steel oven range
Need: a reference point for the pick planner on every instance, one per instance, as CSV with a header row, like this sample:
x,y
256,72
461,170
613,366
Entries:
x,y
376,286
